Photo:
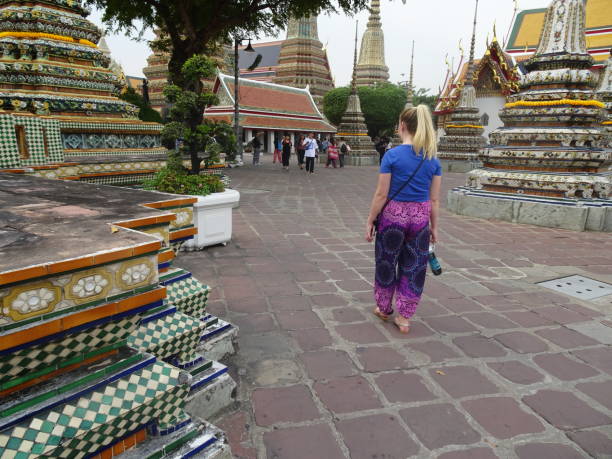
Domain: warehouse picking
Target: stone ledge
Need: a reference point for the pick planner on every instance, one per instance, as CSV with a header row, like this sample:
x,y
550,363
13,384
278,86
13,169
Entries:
x,y
531,210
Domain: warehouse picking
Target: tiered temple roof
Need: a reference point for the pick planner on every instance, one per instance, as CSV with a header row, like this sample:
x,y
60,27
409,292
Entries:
x,y
302,60
371,67
552,143
525,34
268,106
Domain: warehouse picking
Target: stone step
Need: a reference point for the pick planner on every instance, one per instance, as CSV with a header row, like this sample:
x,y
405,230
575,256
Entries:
x,y
212,391
89,423
218,340
186,293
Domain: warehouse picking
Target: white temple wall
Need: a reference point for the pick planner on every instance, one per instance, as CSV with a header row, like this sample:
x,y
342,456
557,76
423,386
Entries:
x,y
491,106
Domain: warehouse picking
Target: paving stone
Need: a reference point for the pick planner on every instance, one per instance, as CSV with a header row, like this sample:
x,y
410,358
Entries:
x,y
248,305
599,357
560,315
474,453
366,333
430,309
344,395
546,451
490,320
254,323
284,404
461,305
418,330
404,387
354,286
328,364
328,300
347,315
375,359
312,338
502,417
528,319
517,372
521,342
298,320
450,324
437,426
594,329
594,442
479,346
376,436
462,381
499,302
313,277
563,367
435,350
564,410
600,391
566,338
315,441
290,303
236,428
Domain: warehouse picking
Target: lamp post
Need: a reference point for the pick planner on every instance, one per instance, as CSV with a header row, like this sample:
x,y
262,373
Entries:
x,y
237,129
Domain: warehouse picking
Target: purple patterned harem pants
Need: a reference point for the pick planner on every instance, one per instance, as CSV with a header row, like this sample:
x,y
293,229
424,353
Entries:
x,y
402,249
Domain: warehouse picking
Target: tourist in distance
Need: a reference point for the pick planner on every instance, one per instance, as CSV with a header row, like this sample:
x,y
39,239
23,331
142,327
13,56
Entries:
x,y
310,145
299,148
344,149
332,153
256,142
286,147
404,216
277,151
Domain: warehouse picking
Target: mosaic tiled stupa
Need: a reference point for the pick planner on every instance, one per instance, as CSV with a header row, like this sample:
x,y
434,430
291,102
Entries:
x,y
371,67
548,165
303,61
59,110
605,93
353,128
458,149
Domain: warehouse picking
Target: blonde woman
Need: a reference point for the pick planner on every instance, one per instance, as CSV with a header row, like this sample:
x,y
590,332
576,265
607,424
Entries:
x,y
405,207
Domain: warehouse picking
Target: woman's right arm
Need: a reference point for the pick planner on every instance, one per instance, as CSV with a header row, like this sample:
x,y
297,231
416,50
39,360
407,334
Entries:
x,y
434,196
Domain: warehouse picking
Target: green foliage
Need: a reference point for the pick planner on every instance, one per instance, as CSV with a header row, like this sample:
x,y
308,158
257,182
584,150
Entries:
x,y
175,162
334,104
199,138
422,96
170,181
192,27
146,112
381,106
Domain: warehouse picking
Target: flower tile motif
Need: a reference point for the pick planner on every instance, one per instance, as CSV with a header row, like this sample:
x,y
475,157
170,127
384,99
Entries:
x,y
31,300
135,273
88,285
184,217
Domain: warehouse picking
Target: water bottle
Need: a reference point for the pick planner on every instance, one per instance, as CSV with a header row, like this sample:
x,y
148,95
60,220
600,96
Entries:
x,y
434,264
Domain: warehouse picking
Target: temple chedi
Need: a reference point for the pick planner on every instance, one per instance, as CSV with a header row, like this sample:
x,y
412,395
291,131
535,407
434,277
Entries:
x,y
605,93
303,61
371,67
458,149
59,105
353,128
548,165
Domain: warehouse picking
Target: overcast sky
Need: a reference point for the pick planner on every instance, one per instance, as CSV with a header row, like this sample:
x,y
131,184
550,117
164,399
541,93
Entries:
x,y
435,25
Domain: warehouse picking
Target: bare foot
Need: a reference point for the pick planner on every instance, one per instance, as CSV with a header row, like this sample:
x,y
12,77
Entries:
x,y
402,324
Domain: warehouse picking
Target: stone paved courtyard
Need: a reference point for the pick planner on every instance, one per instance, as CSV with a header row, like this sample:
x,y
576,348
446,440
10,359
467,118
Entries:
x,y
494,367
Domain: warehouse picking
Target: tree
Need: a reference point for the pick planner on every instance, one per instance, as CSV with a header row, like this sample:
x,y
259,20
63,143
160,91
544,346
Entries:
x,y
381,106
196,27
422,96
146,112
187,131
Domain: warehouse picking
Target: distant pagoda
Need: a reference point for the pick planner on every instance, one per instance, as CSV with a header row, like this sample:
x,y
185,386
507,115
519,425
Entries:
x,y
410,85
353,128
59,97
371,67
548,165
303,61
459,147
605,93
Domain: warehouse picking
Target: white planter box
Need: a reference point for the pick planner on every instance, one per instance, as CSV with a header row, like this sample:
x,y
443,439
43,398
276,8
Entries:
x,y
212,216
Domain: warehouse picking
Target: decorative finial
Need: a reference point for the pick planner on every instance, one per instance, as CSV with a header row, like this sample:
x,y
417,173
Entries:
x,y
470,72
410,88
354,80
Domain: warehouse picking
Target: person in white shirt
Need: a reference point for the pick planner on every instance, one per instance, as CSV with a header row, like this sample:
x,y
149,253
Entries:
x,y
311,151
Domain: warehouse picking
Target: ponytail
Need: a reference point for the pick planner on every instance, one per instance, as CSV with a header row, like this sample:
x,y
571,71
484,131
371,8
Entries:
x,y
419,124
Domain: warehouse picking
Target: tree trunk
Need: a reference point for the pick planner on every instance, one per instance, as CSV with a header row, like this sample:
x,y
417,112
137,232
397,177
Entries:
x,y
195,163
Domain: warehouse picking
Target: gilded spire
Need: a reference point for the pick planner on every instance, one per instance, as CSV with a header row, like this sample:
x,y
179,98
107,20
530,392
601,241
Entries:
x,y
470,72
410,88
354,79
371,67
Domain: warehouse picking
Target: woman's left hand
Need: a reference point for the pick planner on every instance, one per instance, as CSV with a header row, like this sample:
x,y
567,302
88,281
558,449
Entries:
x,y
370,231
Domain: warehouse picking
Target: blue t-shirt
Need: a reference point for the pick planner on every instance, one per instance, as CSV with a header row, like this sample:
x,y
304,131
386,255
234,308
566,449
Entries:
x,y
401,162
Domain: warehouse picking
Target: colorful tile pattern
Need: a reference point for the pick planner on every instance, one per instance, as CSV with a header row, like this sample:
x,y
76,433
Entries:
x,y
189,296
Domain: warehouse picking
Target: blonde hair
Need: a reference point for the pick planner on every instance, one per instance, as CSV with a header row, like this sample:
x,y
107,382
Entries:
x,y
417,121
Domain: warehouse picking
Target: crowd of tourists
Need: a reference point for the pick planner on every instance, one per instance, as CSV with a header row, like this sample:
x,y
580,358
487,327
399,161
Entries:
x,y
308,150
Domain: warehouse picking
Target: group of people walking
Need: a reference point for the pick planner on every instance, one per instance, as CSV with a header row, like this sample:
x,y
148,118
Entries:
x,y
308,148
